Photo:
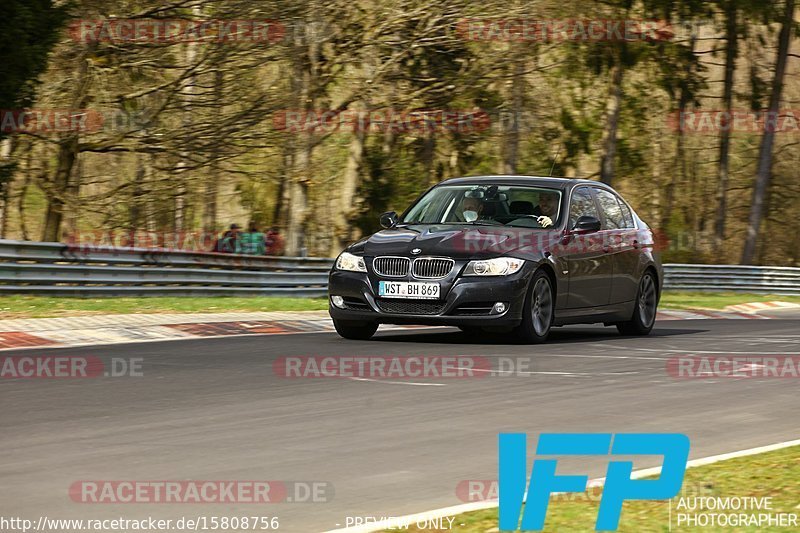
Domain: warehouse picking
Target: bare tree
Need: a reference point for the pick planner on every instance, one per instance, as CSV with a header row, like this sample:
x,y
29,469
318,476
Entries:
x,y
764,165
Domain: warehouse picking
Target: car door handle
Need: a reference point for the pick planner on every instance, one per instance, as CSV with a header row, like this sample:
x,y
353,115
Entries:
x,y
636,244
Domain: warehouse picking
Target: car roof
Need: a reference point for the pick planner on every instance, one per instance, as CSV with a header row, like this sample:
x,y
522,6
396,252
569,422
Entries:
x,y
554,182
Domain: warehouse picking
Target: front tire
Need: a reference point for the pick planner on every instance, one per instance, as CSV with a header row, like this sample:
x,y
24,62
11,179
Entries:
x,y
353,330
644,311
539,311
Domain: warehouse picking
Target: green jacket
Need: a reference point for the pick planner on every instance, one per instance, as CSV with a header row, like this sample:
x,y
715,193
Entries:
x,y
253,243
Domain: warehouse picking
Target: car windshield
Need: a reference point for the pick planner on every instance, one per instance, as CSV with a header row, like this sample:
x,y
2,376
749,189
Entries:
x,y
495,205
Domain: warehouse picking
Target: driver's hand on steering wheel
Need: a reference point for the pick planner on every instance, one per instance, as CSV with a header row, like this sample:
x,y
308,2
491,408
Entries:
x,y
544,221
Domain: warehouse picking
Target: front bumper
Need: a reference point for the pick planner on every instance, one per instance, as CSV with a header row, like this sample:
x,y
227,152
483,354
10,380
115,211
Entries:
x,y
461,305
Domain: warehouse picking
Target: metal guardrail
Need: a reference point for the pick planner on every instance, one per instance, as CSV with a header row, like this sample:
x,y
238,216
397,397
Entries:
x,y
732,278
60,269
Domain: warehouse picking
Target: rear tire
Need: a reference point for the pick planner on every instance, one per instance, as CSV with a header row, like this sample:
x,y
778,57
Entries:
x,y
353,330
539,310
644,310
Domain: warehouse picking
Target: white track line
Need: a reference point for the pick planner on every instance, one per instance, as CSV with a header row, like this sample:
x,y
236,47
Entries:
x,y
584,356
413,383
551,373
723,352
401,521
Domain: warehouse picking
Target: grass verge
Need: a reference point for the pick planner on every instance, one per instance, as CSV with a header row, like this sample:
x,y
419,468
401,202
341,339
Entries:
x,y
44,306
48,306
774,475
717,300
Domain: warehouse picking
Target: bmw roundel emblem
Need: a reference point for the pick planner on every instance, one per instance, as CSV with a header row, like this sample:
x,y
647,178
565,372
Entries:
x,y
416,251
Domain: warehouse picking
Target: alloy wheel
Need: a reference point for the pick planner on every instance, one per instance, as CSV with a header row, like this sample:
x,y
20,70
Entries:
x,y
542,306
648,300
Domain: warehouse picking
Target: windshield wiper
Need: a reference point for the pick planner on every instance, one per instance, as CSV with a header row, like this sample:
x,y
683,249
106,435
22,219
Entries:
x,y
512,225
454,223
483,223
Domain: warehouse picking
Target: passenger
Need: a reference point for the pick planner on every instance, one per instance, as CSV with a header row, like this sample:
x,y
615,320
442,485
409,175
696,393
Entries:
x,y
471,209
547,209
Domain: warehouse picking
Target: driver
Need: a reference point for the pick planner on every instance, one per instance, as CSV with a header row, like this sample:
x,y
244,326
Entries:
x,y
545,212
471,209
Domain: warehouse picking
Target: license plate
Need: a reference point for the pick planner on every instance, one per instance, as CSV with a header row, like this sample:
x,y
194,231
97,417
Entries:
x,y
408,289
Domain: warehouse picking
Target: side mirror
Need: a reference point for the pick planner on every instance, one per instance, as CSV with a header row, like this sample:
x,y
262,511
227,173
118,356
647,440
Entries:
x,y
587,224
389,219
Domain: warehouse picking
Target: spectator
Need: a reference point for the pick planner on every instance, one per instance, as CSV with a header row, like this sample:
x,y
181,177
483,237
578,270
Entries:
x,y
230,242
274,241
253,241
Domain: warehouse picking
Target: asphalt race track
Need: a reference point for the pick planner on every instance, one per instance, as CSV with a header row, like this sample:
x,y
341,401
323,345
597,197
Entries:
x,y
214,410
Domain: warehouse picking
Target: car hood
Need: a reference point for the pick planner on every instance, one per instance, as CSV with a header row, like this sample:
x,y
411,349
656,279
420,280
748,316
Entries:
x,y
457,241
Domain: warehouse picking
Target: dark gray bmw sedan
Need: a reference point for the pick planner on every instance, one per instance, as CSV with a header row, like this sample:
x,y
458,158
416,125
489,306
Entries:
x,y
513,253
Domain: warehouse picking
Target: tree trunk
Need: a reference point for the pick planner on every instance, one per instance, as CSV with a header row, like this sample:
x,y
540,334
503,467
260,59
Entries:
x,y
72,197
655,199
298,202
214,175
187,96
347,191
428,157
764,167
66,156
511,134
679,176
26,182
306,56
135,211
150,209
731,53
279,213
6,149
67,153
613,106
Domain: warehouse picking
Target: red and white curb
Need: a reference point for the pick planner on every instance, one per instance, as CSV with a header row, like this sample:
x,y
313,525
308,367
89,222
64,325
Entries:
x,y
703,314
123,329
755,307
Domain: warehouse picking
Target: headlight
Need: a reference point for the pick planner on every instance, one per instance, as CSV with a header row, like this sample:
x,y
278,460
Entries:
x,y
353,263
500,266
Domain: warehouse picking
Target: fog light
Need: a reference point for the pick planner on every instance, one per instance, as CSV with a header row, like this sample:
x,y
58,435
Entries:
x,y
338,301
499,307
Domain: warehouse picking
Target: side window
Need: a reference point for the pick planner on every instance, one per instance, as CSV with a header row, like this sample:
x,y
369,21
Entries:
x,y
611,209
626,213
582,204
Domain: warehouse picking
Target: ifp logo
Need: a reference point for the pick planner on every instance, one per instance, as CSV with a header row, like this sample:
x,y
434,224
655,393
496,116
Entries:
x,y
618,483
